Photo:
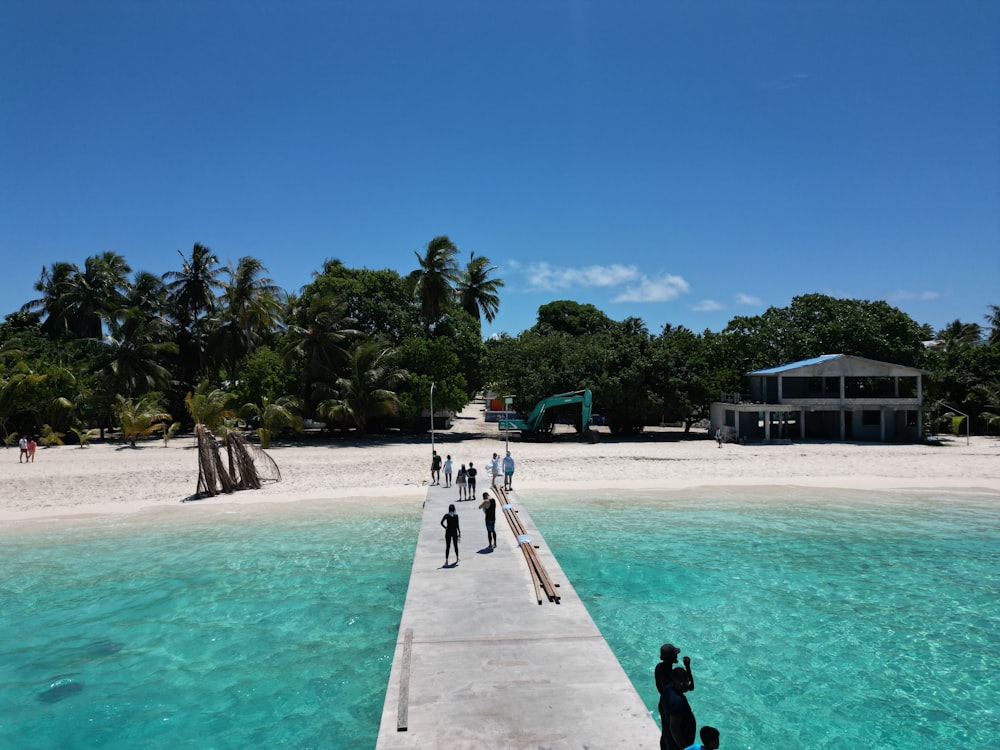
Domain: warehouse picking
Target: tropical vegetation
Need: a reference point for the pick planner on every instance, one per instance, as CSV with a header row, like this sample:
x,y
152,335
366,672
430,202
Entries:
x,y
357,351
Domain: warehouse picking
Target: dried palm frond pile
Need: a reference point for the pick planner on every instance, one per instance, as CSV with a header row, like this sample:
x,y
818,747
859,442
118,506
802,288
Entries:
x,y
248,467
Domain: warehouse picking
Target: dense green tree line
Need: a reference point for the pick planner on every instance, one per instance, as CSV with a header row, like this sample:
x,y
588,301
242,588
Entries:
x,y
356,349
639,378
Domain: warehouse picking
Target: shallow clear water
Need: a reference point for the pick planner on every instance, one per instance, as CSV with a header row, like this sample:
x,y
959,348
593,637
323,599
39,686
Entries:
x,y
238,631
816,619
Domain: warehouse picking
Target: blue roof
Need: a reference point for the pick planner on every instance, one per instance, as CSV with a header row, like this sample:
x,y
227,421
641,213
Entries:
x,y
796,365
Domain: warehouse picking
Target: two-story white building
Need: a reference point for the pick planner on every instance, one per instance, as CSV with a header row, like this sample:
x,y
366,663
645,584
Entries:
x,y
831,397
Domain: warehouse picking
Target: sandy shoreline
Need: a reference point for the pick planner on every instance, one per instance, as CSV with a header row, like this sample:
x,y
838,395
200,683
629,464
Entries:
x,y
68,481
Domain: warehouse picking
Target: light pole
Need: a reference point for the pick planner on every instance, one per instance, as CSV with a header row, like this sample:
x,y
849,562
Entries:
x,y
432,418
506,423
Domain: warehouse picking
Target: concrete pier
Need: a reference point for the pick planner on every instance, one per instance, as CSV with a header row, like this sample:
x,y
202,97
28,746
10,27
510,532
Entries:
x,y
479,663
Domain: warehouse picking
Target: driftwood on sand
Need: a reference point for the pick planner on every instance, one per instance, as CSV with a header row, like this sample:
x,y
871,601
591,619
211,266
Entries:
x,y
248,466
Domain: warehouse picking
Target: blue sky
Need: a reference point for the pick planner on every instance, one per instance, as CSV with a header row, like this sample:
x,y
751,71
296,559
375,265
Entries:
x,y
682,162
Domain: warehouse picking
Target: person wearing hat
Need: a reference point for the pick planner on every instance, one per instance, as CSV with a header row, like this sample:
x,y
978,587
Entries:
x,y
663,673
668,658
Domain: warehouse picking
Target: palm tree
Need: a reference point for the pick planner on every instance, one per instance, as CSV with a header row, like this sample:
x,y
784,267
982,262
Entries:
x,y
148,293
209,407
367,391
191,294
251,311
993,318
321,345
477,292
192,289
958,335
99,292
272,416
432,281
140,418
133,352
54,284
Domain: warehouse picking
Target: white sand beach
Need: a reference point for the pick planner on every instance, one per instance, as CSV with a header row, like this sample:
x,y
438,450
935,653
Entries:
x,y
108,478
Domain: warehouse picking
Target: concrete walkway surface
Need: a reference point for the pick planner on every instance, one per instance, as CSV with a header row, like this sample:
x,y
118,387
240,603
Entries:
x,y
480,664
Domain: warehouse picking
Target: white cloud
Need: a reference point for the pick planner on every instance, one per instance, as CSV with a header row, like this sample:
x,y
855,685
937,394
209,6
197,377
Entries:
x,y
748,299
543,276
663,289
903,295
708,305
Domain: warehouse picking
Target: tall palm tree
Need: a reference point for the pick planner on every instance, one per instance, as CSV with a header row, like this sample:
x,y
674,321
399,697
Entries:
x,y
322,344
993,318
134,349
148,293
192,297
958,335
251,311
192,289
477,292
54,284
367,391
432,281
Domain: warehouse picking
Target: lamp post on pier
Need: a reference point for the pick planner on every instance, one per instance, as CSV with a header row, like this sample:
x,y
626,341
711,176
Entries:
x,y
432,418
506,422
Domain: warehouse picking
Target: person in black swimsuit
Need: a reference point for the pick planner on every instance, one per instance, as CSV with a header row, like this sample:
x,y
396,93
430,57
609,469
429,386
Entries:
x,y
472,482
452,532
489,507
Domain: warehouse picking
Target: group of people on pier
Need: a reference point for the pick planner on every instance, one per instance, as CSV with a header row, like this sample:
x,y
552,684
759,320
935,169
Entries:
x,y
465,479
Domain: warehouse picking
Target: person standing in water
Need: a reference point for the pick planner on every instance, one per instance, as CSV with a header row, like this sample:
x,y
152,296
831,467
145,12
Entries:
x,y
489,507
452,532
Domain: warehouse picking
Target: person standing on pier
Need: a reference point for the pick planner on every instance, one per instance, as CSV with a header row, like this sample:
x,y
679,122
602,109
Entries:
x,y
435,468
489,507
452,532
663,674
676,715
508,472
472,481
447,470
668,658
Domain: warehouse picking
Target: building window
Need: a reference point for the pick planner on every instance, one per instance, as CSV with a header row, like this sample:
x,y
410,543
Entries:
x,y
871,418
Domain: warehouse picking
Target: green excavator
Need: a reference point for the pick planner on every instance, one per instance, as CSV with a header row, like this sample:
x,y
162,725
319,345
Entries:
x,y
539,422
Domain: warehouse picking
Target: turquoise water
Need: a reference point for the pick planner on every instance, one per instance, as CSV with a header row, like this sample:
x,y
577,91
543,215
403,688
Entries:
x,y
236,631
837,620
820,620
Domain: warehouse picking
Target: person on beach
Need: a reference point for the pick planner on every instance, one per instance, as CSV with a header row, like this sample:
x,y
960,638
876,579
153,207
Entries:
x,y
447,471
489,507
32,447
23,445
676,715
718,436
472,481
435,468
709,739
508,472
462,480
452,532
494,470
